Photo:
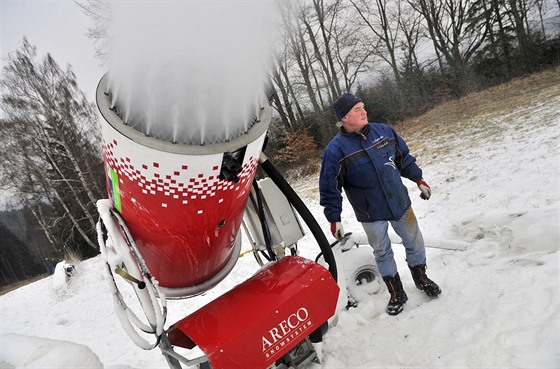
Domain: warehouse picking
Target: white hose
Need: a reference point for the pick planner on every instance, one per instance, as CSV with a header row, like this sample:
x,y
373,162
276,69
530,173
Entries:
x,y
116,252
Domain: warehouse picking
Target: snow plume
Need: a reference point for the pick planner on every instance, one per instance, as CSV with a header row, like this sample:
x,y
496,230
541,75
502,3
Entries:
x,y
190,72
60,283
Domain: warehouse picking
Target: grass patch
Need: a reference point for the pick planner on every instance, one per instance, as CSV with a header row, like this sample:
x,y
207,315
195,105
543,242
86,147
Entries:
x,y
480,114
15,286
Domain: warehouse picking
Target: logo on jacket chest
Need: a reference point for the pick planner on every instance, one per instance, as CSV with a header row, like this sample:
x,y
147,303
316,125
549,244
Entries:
x,y
391,162
374,141
382,143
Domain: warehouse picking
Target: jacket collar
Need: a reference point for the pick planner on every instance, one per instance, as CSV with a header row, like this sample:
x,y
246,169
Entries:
x,y
362,133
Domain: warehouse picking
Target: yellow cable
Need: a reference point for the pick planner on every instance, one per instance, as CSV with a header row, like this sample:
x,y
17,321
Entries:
x,y
246,252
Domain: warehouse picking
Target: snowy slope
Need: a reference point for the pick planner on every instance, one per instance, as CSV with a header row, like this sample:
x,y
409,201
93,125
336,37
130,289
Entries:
x,y
495,189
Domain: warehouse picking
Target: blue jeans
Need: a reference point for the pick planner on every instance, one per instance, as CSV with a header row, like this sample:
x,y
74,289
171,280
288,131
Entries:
x,y
407,229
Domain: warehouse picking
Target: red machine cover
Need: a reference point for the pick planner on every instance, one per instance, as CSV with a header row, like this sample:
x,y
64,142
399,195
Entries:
x,y
260,320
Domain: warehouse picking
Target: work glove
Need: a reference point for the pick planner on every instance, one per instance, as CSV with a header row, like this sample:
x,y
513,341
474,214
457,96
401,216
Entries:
x,y
337,230
426,192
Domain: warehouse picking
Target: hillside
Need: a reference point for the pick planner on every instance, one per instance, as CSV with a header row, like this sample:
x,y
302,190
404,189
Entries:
x,y
492,160
476,114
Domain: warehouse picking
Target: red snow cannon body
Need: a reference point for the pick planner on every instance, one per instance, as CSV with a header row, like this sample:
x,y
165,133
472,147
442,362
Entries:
x,y
183,204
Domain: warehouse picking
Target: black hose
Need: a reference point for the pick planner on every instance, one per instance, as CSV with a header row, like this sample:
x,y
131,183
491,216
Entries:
x,y
321,253
300,207
333,245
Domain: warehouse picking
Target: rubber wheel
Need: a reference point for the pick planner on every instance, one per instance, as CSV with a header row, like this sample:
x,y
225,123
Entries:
x,y
362,276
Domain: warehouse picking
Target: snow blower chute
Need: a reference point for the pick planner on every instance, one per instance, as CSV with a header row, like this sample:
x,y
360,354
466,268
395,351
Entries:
x,y
171,230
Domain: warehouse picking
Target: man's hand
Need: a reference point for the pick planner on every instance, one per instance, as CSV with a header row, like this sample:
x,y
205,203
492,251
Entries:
x,y
425,189
337,230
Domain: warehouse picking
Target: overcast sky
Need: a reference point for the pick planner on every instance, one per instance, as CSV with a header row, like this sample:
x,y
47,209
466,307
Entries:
x,y
60,27
55,27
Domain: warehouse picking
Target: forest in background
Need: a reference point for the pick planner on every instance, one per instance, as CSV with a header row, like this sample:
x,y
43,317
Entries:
x,y
51,151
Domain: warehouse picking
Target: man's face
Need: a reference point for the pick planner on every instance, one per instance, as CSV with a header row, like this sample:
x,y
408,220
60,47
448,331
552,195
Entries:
x,y
356,118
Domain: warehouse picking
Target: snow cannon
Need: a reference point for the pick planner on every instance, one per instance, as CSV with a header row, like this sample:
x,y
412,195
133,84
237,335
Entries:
x,y
182,204
171,228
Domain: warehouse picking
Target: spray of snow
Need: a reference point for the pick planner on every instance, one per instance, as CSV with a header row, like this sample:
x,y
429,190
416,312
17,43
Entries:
x,y
61,279
190,72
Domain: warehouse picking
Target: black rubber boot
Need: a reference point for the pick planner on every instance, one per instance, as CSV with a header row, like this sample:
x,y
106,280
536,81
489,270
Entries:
x,y
398,296
422,281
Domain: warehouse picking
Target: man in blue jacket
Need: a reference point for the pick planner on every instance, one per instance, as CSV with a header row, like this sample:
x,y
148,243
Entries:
x,y
367,160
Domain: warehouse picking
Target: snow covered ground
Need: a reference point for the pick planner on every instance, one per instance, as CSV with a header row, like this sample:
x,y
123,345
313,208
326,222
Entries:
x,y
495,191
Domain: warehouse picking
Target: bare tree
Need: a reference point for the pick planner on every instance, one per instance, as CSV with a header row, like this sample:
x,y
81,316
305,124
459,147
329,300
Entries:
x,y
382,17
457,29
298,47
99,11
50,148
284,98
523,15
330,51
410,25
322,40
352,49
516,30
